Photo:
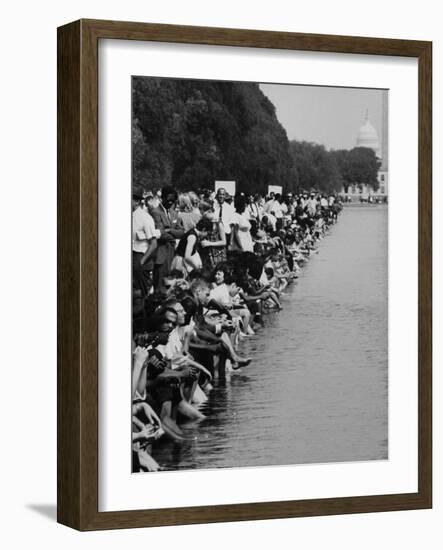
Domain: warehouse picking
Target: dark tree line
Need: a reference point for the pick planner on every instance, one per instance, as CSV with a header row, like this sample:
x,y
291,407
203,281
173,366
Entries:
x,y
357,166
189,133
329,171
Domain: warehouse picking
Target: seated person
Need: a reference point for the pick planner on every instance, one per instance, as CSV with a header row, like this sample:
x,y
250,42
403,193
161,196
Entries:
x,y
253,289
146,424
146,428
281,269
176,351
213,332
275,284
294,250
163,384
226,292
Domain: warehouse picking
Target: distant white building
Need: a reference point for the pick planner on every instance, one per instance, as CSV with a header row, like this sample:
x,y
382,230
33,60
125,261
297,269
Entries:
x,y
368,137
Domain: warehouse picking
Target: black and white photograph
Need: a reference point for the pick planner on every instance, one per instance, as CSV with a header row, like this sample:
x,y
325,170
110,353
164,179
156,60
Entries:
x,y
259,274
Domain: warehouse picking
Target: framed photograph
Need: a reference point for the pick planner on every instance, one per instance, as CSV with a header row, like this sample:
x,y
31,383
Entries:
x,y
244,275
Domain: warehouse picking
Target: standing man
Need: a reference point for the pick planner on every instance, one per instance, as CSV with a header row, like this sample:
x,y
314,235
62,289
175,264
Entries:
x,y
144,244
312,204
269,204
223,212
274,207
253,212
171,228
279,212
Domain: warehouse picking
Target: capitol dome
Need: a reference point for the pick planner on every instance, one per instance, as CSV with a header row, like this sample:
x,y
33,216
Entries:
x,y
367,137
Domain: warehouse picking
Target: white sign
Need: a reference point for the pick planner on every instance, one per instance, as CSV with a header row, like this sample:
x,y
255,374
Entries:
x,y
229,186
276,189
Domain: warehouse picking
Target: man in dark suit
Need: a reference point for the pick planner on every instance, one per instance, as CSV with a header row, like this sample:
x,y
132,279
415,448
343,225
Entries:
x,y
171,228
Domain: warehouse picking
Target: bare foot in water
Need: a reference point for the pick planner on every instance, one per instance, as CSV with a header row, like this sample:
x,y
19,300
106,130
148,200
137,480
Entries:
x,y
147,462
241,363
171,428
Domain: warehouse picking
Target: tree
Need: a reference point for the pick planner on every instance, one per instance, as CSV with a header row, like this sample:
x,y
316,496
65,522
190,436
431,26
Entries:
x,y
358,166
316,168
189,133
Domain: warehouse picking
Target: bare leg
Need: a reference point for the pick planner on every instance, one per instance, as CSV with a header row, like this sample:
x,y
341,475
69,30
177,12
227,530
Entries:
x,y
283,284
147,462
232,353
189,411
169,425
274,298
199,396
245,315
188,391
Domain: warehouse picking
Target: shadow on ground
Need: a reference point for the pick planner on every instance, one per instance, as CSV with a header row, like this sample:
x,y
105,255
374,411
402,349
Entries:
x,y
48,511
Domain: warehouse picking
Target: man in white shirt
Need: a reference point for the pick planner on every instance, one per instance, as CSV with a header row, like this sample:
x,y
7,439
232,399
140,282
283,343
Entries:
x,y
274,208
269,204
144,244
254,212
220,294
223,211
252,209
312,205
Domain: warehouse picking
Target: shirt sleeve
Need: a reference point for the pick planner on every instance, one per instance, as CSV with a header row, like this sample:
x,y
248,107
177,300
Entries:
x,y
149,227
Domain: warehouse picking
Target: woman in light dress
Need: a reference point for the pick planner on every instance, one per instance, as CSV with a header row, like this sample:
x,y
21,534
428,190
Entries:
x,y
241,239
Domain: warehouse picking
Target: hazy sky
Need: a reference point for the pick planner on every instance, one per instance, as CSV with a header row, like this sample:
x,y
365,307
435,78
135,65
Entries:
x,y
326,115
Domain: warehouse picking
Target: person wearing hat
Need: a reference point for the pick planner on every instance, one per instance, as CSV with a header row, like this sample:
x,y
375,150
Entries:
x,y
144,244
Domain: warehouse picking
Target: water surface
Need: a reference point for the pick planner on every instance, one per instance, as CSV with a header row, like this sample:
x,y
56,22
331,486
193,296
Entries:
x,y
317,389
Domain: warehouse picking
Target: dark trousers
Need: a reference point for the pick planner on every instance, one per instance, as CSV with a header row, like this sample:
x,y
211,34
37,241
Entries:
x,y
141,274
160,271
164,256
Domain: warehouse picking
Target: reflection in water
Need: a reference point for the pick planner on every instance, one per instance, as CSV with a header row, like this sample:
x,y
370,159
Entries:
x,y
317,389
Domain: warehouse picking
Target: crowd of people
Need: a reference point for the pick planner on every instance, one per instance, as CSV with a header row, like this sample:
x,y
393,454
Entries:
x,y
207,267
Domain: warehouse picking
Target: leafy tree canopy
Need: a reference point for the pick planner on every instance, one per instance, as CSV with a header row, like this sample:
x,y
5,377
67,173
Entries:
x,y
189,133
315,167
357,166
328,171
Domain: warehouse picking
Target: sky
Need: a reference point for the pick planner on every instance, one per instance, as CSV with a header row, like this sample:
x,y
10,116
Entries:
x,y
327,115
